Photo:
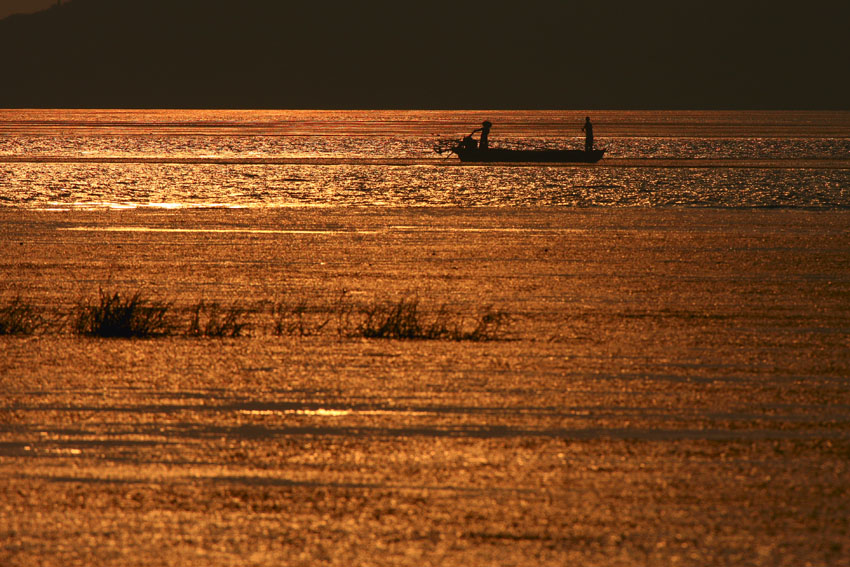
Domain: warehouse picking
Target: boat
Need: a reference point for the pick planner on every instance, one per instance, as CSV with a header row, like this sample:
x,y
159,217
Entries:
x,y
468,151
525,156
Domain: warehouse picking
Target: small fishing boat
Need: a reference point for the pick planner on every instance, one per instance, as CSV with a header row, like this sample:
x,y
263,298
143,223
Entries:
x,y
526,156
469,150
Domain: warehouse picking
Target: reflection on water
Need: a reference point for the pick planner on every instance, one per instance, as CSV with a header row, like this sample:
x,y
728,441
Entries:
x,y
326,412
81,186
341,232
211,230
177,159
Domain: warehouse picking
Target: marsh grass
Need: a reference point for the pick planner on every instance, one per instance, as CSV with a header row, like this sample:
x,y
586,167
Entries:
x,y
18,317
298,319
215,320
120,315
132,315
404,319
400,320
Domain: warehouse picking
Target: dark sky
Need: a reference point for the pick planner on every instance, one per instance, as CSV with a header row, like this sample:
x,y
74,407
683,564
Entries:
x,y
747,54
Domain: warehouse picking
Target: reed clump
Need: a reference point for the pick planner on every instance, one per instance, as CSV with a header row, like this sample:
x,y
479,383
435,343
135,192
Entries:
x,y
298,318
122,315
399,320
17,317
404,319
215,320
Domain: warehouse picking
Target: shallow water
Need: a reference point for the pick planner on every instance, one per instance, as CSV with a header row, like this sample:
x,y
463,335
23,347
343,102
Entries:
x,y
674,390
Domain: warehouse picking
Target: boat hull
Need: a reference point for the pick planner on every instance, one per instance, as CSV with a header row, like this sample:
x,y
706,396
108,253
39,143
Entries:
x,y
538,156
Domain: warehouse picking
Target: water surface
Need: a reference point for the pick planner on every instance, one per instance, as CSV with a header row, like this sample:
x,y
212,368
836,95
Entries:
x,y
154,158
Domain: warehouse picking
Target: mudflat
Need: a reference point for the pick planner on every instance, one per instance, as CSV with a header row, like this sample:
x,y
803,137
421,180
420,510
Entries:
x,y
669,386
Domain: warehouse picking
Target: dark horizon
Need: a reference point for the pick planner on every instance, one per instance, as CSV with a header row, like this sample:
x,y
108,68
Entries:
x,y
380,55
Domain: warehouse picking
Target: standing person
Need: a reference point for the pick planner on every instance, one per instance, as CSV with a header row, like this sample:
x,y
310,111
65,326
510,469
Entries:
x,y
484,143
588,134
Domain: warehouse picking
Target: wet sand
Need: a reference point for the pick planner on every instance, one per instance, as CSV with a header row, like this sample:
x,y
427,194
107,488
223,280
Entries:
x,y
674,388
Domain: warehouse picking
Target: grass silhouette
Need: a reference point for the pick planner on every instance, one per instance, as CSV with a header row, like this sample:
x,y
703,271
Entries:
x,y
118,315
213,320
20,318
405,320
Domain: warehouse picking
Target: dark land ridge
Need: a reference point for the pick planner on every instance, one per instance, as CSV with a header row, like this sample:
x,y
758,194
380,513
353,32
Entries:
x,y
438,54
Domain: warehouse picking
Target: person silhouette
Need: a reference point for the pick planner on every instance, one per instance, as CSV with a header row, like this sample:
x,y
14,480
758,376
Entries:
x,y
588,134
484,143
